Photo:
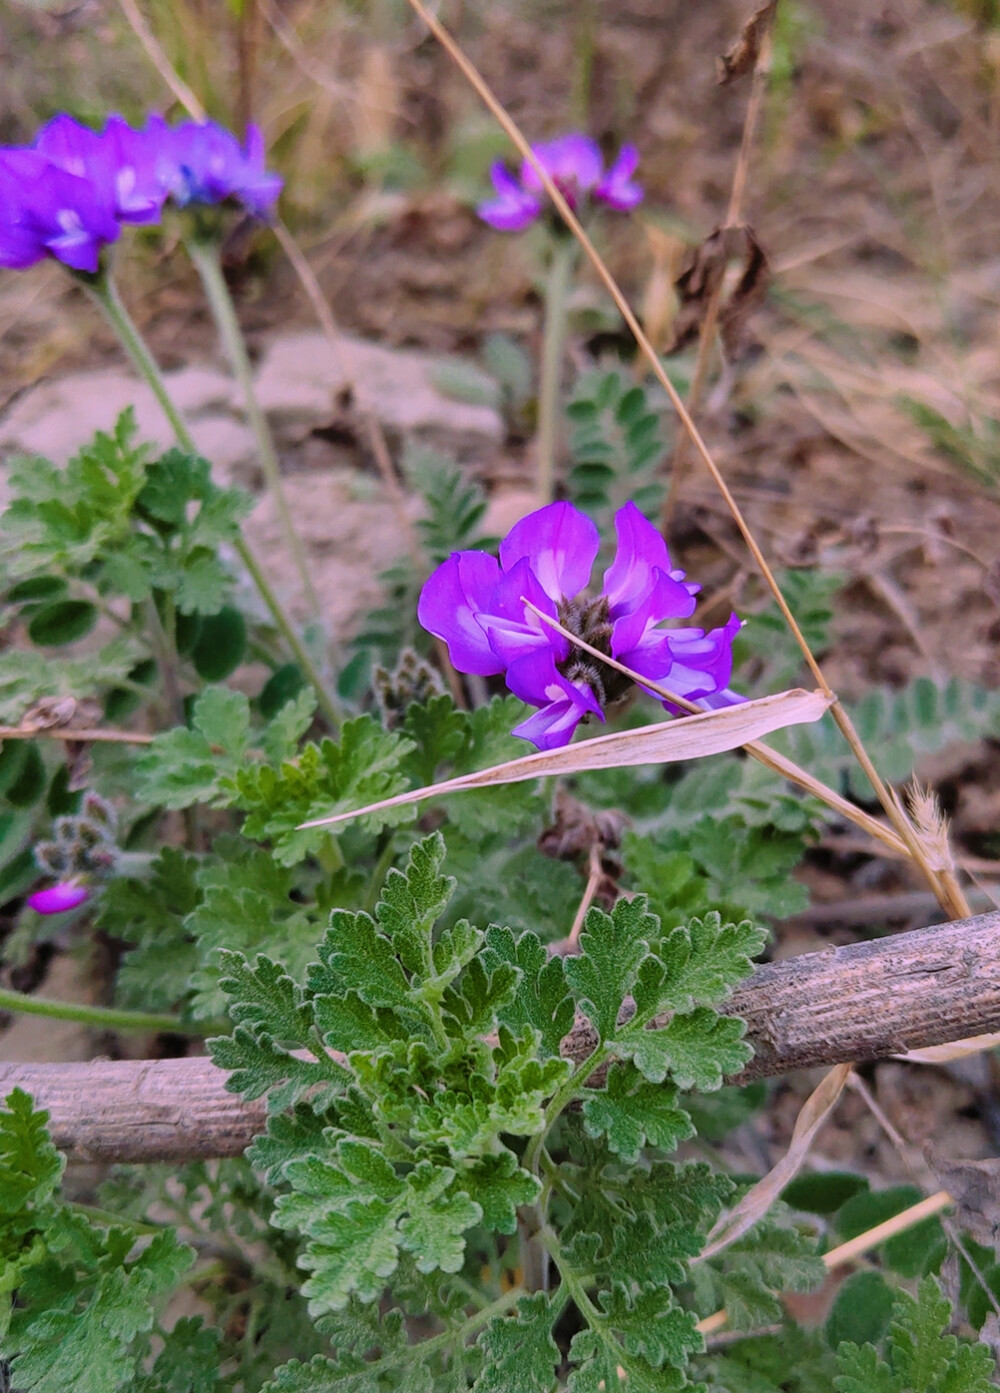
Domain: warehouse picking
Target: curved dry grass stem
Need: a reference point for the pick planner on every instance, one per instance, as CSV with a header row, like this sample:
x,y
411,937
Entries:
x,y
947,896
160,61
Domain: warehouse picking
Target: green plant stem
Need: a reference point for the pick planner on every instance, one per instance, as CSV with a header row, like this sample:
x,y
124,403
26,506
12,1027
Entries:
x,y
557,290
108,1017
559,1101
204,252
104,291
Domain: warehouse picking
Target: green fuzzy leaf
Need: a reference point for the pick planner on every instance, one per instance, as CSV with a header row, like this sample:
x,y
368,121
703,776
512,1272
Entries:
x,y
861,1311
412,901
704,962
30,1166
364,767
861,1371
62,622
612,948
752,1272
264,997
188,1361
499,1186
185,767
221,645
91,1347
632,1113
256,1065
150,914
541,1001
438,1217
697,1050
519,1353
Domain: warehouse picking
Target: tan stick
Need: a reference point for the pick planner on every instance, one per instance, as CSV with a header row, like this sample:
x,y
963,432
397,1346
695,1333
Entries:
x,y
854,1248
864,1001
949,897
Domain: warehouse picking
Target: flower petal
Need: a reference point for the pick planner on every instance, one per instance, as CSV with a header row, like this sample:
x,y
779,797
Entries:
x,y
513,209
447,608
561,545
690,662
536,679
618,189
512,628
572,161
641,552
57,899
666,599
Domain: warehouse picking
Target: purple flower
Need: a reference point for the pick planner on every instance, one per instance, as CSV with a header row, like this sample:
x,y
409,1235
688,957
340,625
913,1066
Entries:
x,y
575,165
67,894
476,604
119,163
46,210
200,162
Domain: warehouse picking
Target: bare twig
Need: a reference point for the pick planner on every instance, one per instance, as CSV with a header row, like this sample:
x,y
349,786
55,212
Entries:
x,y
866,1001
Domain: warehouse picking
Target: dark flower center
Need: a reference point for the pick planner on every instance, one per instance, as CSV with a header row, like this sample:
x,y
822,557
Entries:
x,y
590,620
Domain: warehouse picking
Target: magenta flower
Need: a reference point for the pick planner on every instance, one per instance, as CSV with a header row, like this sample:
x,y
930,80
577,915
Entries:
x,y
201,162
57,899
476,604
575,165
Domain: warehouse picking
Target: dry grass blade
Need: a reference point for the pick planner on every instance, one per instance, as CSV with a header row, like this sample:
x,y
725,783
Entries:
x,y
160,61
854,1247
757,1201
711,732
97,734
958,1049
771,759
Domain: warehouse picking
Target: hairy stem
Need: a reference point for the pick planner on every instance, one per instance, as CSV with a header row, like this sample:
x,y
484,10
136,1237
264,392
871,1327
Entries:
x,y
104,291
204,252
557,290
107,1017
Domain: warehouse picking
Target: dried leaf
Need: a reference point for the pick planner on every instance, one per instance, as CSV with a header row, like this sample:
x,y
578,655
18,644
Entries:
x,y
703,281
666,742
740,57
957,1049
975,1190
757,1201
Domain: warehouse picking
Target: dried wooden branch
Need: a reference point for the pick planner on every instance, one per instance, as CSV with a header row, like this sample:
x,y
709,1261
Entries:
x,y
861,1002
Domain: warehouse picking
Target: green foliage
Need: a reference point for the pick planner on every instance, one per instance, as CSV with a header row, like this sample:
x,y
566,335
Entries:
x,y
766,639
919,1356
616,446
86,1294
974,446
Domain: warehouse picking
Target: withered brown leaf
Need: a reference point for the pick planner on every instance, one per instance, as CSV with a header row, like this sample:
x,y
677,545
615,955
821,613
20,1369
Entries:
x,y
740,57
703,280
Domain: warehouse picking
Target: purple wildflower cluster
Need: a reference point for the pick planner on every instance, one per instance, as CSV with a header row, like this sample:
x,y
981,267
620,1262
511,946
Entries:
x,y
476,604
574,164
69,193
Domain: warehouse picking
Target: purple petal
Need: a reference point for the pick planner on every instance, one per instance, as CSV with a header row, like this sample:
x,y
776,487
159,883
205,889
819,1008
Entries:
x,y
641,552
573,162
513,209
536,679
666,599
690,662
58,898
139,192
617,188
447,608
561,546
201,162
512,628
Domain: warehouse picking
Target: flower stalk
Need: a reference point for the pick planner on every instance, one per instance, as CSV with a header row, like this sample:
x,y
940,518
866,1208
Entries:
x,y
204,252
105,293
103,1017
557,292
